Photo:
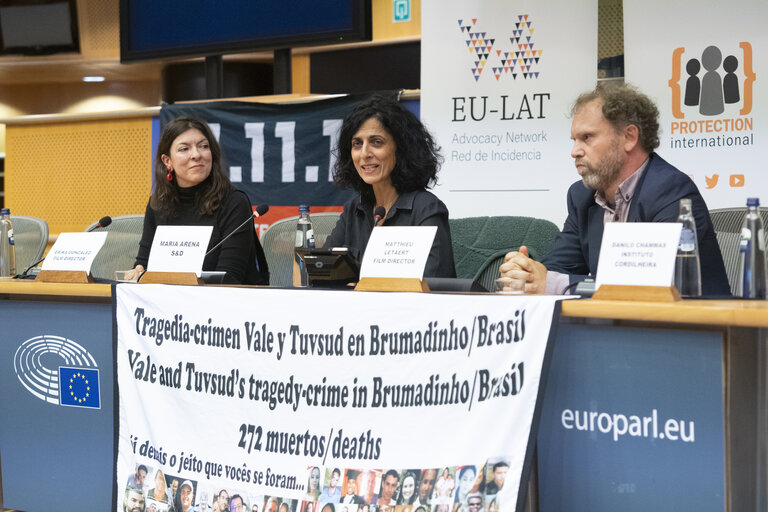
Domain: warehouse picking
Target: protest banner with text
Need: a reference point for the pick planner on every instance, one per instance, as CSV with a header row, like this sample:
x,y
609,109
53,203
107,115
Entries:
x,y
292,397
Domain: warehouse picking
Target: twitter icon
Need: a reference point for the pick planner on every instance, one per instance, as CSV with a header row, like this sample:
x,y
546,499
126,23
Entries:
x,y
711,182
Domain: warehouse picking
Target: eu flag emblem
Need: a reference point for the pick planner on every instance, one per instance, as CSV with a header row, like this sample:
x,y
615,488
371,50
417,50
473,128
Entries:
x,y
79,387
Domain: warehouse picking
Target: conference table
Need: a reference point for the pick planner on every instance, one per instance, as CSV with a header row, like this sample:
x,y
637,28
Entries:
x,y
646,405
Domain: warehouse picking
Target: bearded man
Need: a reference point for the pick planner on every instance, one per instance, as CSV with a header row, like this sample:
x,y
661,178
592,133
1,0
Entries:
x,y
615,130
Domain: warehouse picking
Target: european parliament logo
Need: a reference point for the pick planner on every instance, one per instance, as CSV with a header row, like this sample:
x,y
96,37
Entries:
x,y
58,371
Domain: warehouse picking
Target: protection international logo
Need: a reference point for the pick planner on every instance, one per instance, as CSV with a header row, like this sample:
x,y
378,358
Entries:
x,y
711,102
58,371
708,82
519,58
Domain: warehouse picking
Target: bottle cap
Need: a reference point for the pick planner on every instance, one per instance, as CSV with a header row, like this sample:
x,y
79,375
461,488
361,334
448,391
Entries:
x,y
753,201
5,211
303,208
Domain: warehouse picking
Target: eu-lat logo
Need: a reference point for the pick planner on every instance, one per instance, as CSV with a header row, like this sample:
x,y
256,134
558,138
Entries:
x,y
519,58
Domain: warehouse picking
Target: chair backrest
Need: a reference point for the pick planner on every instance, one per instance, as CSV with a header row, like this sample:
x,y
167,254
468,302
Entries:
x,y
729,220
30,238
480,243
727,223
120,249
278,243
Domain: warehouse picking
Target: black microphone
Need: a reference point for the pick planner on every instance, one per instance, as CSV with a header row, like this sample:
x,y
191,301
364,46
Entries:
x,y
26,274
378,214
103,222
260,210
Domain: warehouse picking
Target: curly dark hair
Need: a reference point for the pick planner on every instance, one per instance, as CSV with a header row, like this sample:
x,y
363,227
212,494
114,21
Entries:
x,y
417,156
211,191
623,105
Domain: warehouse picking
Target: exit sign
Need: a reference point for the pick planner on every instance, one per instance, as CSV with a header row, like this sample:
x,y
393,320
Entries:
x,y
401,10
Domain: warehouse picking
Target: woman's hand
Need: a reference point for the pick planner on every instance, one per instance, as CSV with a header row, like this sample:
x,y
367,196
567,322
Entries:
x,y
135,274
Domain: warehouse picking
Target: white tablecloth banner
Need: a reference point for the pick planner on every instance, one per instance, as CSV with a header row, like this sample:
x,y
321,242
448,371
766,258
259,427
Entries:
x,y
247,390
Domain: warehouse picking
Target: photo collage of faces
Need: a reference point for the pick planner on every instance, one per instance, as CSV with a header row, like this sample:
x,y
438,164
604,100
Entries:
x,y
468,488
150,490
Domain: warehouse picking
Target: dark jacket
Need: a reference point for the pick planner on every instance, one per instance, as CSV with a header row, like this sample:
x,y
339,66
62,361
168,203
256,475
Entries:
x,y
656,199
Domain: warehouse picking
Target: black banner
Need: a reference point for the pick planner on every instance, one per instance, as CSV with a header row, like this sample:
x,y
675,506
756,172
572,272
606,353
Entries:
x,y
278,154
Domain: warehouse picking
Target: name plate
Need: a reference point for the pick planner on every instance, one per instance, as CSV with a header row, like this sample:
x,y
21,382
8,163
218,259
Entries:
x,y
74,251
397,251
179,249
638,253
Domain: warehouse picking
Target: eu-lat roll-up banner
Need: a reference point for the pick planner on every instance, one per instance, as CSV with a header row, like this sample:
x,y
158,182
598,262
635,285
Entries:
x,y
703,62
498,78
300,399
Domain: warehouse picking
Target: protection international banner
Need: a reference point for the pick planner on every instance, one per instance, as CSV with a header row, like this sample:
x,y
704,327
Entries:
x,y
498,79
701,61
295,399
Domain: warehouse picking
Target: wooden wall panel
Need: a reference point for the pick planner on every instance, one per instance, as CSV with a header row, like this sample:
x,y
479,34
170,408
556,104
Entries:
x,y
99,22
73,172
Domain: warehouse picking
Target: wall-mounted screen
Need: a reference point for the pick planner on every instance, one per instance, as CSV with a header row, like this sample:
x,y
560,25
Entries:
x,y
38,27
151,29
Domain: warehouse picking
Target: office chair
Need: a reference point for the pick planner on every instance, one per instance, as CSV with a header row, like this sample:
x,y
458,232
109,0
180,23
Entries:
x,y
480,243
120,249
278,243
727,223
31,238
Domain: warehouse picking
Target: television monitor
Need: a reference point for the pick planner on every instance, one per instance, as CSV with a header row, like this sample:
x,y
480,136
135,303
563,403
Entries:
x,y
154,29
38,27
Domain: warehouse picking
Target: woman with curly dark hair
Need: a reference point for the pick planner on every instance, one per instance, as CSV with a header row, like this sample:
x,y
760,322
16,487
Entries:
x,y
191,189
390,159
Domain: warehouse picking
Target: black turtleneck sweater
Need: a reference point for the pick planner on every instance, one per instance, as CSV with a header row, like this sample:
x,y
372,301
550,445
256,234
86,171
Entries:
x,y
237,256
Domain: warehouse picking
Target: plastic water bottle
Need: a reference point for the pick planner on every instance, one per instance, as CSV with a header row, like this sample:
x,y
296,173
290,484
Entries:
x,y
7,247
305,240
687,266
752,254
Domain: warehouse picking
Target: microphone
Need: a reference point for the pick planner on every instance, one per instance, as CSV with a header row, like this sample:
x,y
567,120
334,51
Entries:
x,y
378,214
260,210
26,274
103,222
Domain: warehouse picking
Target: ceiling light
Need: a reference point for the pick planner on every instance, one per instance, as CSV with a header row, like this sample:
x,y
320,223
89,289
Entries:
x,y
93,79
